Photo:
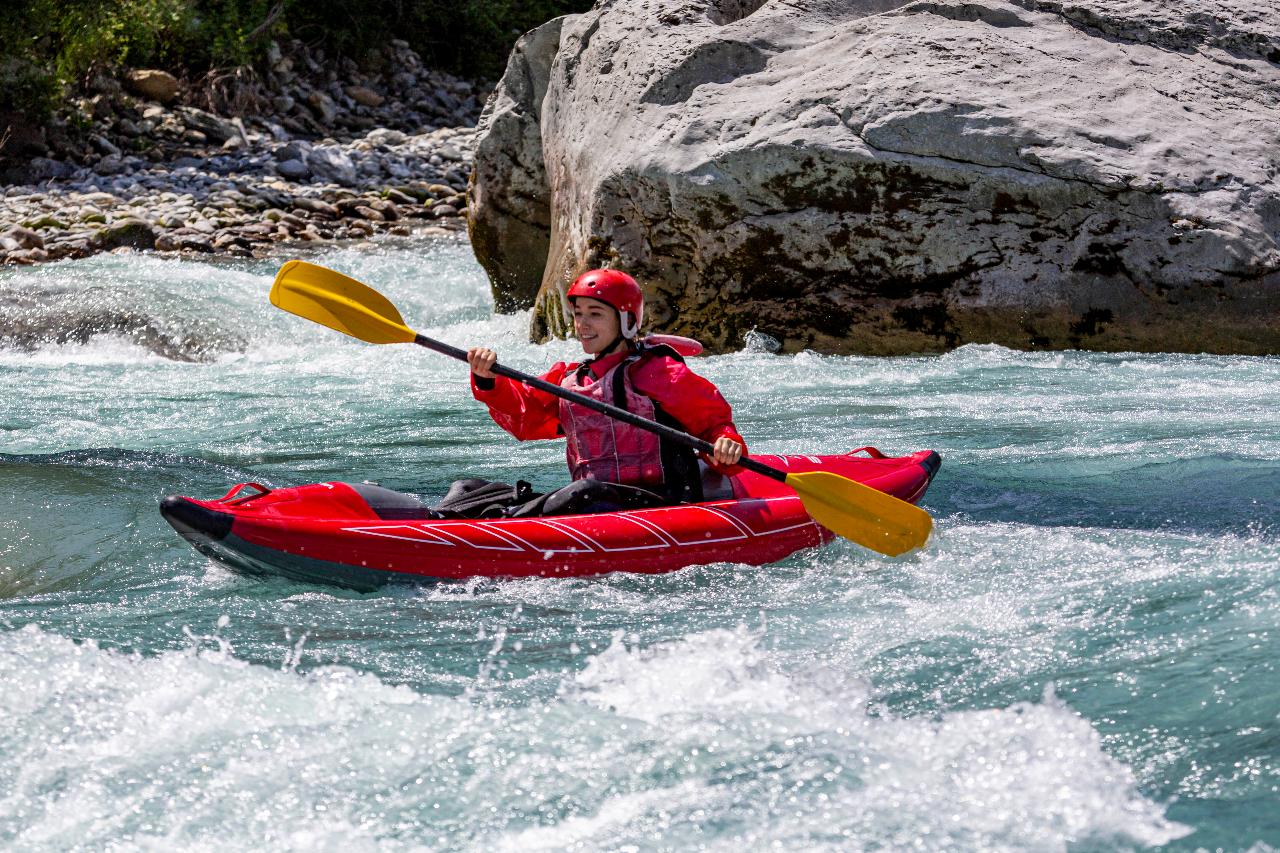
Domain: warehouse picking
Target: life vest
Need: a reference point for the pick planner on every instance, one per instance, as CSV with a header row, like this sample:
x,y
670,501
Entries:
x,y
599,447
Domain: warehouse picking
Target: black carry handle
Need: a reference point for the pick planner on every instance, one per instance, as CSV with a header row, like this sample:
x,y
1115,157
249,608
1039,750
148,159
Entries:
x,y
604,408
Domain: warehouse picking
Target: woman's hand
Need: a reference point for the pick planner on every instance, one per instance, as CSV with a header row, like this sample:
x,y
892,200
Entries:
x,y
727,451
482,360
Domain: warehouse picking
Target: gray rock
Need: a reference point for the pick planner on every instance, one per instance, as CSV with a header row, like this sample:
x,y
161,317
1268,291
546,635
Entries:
x,y
323,106
104,145
296,150
44,168
24,238
331,163
29,256
1100,174
214,128
273,197
229,239
399,171
315,205
182,241
134,233
294,170
112,164
385,136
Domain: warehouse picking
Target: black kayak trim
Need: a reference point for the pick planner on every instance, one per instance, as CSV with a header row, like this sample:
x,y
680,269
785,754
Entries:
x,y
931,464
195,522
209,532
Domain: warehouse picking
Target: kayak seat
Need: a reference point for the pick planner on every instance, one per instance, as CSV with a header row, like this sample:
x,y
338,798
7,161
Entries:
x,y
715,486
392,506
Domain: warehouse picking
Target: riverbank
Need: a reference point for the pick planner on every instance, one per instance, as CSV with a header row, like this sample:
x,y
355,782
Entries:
x,y
242,203
299,153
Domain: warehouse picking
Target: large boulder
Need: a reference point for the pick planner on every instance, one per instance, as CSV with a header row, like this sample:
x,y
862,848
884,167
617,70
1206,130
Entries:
x,y
509,214
885,176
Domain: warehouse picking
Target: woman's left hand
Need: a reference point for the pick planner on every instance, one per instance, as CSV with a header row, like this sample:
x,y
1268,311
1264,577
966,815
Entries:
x,y
727,451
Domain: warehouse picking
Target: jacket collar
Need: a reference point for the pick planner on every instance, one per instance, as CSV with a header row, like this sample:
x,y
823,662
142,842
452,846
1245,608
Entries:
x,y
601,366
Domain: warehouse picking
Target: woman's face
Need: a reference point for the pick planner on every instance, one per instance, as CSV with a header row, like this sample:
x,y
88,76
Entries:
x,y
595,323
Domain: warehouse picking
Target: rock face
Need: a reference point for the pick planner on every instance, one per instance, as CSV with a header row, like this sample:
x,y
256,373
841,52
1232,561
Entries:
x,y
510,220
883,176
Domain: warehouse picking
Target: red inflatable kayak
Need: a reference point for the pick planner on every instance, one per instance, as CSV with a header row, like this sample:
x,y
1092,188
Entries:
x,y
363,536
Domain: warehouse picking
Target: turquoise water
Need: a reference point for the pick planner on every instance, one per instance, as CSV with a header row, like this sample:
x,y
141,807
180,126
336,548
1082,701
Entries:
x,y
1084,657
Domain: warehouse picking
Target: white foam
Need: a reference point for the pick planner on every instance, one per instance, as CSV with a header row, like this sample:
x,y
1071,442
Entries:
x,y
198,748
1033,775
703,674
99,351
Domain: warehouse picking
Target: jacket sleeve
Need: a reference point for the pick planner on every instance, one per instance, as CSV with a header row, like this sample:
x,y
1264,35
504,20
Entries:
x,y
692,400
525,412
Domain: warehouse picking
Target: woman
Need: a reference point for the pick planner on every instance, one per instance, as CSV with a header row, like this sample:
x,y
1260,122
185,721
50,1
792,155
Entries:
x,y
649,380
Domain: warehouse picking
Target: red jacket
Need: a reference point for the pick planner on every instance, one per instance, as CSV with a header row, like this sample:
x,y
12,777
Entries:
x,y
528,413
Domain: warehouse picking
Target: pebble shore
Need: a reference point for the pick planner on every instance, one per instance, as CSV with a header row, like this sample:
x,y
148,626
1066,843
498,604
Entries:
x,y
173,178
241,204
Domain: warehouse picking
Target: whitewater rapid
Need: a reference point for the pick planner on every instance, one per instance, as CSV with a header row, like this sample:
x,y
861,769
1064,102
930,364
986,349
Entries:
x,y
1084,657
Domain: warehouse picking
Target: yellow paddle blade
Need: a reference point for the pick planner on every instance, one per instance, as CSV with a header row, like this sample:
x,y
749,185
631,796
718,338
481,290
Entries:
x,y
339,302
862,514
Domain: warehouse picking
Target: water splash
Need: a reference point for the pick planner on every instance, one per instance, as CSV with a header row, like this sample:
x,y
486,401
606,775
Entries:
x,y
1107,524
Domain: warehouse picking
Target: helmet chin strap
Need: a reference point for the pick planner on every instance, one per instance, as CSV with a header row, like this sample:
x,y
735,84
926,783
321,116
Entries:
x,y
620,338
613,345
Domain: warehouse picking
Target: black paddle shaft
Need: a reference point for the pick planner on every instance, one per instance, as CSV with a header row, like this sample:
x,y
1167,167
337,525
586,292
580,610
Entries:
x,y
604,408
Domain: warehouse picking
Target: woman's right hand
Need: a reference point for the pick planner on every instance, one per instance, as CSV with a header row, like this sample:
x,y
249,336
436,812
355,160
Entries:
x,y
482,360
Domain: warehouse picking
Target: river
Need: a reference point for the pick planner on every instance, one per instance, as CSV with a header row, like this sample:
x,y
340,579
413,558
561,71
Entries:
x,y
1083,658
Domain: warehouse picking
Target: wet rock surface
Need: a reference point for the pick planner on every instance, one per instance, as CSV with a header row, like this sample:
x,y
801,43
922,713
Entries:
x,y
1100,175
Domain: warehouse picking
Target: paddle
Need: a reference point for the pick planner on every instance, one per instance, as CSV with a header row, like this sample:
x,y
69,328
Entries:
x,y
857,512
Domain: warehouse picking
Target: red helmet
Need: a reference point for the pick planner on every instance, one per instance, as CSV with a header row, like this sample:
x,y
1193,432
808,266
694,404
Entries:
x,y
614,288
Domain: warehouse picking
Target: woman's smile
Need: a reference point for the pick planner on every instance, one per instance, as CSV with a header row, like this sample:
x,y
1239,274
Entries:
x,y
595,323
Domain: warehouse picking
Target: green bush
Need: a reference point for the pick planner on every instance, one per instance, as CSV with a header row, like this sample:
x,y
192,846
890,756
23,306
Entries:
x,y
472,37
46,44
26,88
